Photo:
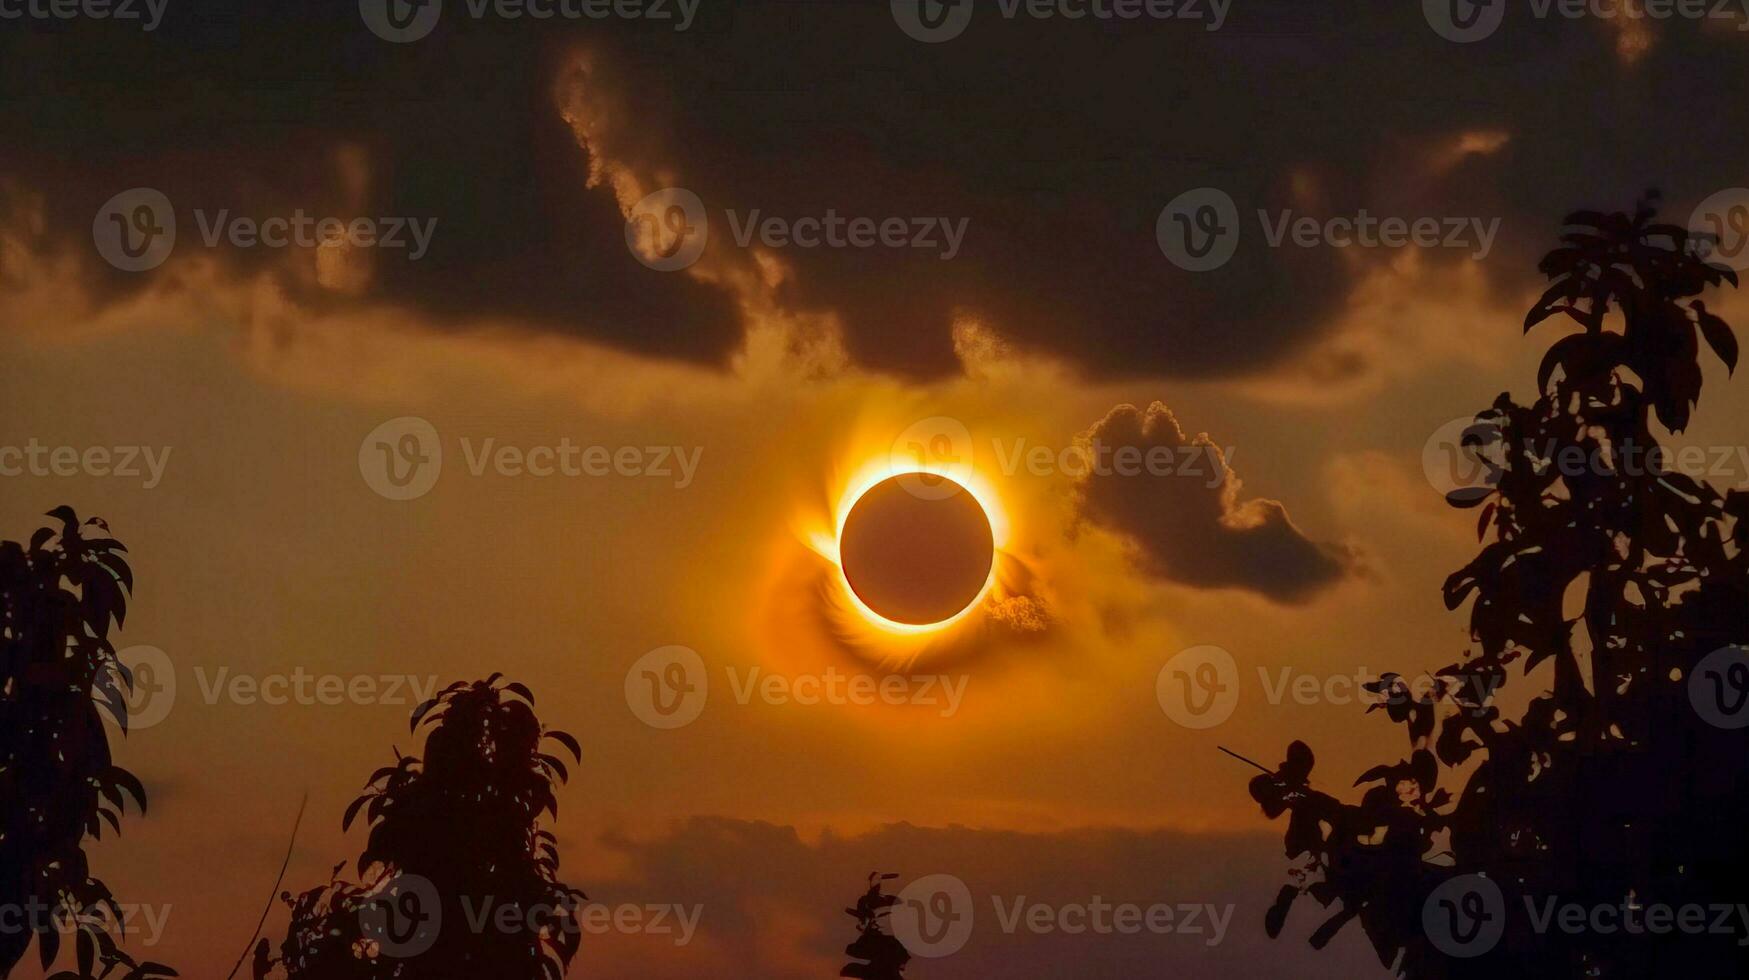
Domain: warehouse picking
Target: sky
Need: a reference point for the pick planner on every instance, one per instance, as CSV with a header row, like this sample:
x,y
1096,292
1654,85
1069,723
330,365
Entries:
x,y
663,300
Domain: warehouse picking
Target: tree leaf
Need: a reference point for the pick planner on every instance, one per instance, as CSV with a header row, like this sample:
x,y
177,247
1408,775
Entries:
x,y
1719,336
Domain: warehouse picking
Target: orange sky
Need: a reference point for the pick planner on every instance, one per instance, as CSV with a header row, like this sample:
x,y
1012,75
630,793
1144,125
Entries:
x,y
262,552
1041,762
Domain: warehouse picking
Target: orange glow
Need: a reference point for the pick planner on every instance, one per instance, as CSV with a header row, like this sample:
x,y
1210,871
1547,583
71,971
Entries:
x,y
861,626
917,549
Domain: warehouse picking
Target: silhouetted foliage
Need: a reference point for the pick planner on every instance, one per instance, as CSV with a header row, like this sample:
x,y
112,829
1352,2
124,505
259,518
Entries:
x,y
1616,577
456,848
876,954
60,594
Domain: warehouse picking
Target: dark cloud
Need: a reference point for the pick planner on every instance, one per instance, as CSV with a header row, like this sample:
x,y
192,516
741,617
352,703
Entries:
x,y
245,109
1058,141
771,900
1177,501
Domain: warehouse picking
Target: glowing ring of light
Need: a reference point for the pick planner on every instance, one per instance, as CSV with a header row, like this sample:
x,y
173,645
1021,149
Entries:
x,y
878,472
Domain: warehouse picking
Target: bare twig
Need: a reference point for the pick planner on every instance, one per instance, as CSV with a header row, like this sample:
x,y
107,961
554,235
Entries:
x,y
1249,762
275,890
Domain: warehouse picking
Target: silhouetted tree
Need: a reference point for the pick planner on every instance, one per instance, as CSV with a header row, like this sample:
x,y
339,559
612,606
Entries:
x,y
458,879
60,595
876,954
1621,576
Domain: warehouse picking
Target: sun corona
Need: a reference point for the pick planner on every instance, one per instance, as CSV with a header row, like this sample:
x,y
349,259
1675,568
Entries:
x,y
917,549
